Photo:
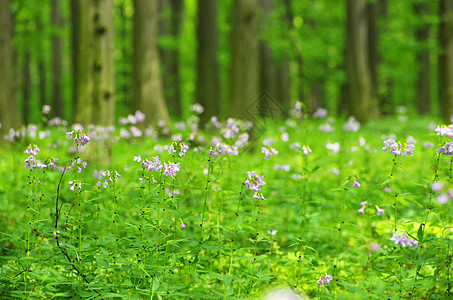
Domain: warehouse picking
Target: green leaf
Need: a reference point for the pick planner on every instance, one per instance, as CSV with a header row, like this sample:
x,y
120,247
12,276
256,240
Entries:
x,y
420,232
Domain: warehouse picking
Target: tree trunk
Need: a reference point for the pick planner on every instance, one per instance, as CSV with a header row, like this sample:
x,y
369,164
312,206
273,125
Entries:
x,y
147,84
9,116
171,25
244,75
446,60
373,37
384,98
274,71
208,81
423,98
289,16
57,21
357,61
26,87
104,61
83,45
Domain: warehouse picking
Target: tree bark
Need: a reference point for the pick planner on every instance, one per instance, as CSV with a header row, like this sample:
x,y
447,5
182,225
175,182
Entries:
x,y
26,87
357,62
373,51
244,75
83,45
171,25
446,60
147,84
9,116
104,61
208,81
423,97
274,70
57,22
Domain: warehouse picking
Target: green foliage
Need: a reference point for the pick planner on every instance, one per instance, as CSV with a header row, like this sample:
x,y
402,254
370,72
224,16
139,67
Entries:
x,y
200,234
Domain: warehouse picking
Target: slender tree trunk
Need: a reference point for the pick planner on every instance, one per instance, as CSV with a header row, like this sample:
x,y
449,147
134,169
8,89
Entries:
x,y
57,21
208,81
244,75
357,61
83,22
26,87
104,61
373,37
9,116
274,70
171,25
147,84
446,60
289,15
423,95
384,95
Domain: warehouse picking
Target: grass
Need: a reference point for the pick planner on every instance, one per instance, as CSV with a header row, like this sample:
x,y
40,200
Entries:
x,y
201,235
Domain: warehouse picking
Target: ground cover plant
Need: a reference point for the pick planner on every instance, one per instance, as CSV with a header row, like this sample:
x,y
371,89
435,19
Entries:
x,y
324,206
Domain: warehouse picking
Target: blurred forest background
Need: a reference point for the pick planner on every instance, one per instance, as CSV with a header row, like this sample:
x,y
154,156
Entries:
x,y
96,60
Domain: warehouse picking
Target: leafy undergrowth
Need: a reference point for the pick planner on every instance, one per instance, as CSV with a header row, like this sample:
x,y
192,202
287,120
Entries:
x,y
109,220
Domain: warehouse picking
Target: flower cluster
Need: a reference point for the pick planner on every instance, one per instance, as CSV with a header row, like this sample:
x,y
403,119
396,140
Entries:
x,y
74,183
443,196
335,147
361,211
179,148
108,176
258,196
79,163
138,117
445,130
79,137
170,169
351,125
268,152
285,168
305,149
197,108
223,148
397,149
151,165
447,149
403,240
31,162
254,182
321,281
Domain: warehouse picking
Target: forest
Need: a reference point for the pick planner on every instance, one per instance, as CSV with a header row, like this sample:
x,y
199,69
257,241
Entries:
x,y
96,61
226,149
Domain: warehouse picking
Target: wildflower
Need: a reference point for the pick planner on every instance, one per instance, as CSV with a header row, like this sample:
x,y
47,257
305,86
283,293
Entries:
x,y
447,149
320,113
361,211
326,127
183,225
321,281
379,211
254,181
197,108
442,199
437,186
273,232
46,109
306,149
351,125
170,169
356,184
363,203
376,247
138,158
267,153
258,196
335,147
428,145
403,240
284,136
